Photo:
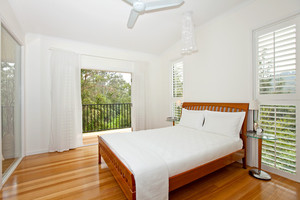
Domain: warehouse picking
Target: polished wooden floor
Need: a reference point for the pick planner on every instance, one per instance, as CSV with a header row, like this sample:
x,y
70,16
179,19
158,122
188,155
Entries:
x,y
6,163
91,138
76,175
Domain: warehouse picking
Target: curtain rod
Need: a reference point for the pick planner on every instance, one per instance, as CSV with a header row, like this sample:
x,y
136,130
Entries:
x,y
97,56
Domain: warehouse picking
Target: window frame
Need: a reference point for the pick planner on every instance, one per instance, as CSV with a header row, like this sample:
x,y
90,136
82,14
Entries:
x,y
173,100
279,99
267,29
295,177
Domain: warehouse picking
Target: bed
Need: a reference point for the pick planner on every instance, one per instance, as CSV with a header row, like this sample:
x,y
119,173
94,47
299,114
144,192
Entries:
x,y
127,181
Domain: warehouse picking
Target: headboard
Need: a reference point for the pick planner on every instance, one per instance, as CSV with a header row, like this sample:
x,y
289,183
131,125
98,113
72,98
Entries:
x,y
223,107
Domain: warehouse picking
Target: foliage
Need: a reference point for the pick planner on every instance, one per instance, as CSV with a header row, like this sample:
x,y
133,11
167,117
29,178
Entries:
x,y
106,98
101,87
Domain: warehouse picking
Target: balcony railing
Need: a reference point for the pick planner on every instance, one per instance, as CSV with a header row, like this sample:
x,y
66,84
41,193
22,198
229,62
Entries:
x,y
100,117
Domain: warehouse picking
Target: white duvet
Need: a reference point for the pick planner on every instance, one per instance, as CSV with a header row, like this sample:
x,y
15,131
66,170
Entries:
x,y
155,155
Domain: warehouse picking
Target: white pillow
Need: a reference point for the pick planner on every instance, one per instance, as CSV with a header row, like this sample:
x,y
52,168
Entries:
x,y
192,118
225,123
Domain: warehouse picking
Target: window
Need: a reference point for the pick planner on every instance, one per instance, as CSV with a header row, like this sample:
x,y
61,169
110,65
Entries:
x,y
177,87
279,121
177,79
276,48
277,61
176,111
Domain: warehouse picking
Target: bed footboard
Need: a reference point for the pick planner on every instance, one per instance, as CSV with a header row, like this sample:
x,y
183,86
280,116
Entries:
x,y
198,172
121,173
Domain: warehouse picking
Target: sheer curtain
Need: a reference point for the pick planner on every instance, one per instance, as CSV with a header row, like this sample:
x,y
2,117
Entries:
x,y
138,96
66,108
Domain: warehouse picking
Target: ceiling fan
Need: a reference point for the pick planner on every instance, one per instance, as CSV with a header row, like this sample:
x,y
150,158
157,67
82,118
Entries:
x,y
140,7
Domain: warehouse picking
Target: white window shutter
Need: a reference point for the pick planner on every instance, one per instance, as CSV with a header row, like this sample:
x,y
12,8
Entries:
x,y
279,121
276,61
177,79
177,88
276,51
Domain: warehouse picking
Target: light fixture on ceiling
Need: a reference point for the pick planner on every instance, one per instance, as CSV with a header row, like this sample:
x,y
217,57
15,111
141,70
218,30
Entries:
x,y
188,34
140,7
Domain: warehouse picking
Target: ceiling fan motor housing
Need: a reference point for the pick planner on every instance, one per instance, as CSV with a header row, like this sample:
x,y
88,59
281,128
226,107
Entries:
x,y
139,6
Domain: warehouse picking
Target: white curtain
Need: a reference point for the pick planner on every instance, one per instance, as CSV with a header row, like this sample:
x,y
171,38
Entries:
x,y
138,96
66,107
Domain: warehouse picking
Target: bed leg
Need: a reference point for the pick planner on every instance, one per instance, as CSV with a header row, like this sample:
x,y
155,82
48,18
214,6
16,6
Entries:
x,y
244,163
99,153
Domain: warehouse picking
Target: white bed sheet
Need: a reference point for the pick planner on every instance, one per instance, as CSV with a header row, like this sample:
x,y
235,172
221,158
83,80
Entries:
x,y
178,148
184,148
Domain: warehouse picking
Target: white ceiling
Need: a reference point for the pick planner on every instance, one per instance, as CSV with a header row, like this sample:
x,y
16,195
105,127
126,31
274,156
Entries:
x,y
104,22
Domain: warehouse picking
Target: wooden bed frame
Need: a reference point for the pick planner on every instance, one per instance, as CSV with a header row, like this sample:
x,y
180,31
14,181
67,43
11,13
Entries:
x,y
126,180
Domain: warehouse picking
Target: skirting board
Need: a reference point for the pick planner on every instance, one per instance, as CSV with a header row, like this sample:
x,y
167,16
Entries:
x,y
36,152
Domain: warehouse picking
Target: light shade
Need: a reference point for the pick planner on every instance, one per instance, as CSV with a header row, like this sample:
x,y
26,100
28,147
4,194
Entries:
x,y
188,34
253,105
178,103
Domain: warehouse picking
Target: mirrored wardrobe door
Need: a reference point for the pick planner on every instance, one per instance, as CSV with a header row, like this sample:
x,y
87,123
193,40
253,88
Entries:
x,y
10,100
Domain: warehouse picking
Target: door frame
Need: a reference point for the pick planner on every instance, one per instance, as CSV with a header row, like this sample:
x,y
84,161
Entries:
x,y
4,178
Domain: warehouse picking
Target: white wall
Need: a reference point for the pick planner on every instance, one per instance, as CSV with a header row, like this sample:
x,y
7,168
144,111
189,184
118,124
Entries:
x,y
10,21
221,71
38,84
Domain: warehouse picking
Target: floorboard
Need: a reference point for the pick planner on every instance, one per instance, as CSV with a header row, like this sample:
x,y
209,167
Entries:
x,y
6,163
76,175
91,138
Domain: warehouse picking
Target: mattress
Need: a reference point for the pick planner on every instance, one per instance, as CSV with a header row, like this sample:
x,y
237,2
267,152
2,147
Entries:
x,y
181,148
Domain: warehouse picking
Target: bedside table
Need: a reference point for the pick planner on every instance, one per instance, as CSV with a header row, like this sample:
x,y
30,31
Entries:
x,y
258,173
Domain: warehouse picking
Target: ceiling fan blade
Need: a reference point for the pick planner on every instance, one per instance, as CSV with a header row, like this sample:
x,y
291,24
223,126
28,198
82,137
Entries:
x,y
130,1
132,18
154,5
